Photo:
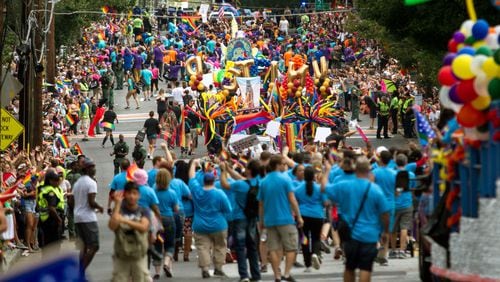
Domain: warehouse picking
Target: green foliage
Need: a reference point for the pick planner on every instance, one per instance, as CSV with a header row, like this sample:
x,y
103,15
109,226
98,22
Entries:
x,y
416,35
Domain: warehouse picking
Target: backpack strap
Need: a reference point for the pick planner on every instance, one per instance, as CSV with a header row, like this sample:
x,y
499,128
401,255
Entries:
x,y
365,195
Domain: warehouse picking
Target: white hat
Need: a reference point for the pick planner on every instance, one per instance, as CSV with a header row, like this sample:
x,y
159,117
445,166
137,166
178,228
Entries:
x,y
381,149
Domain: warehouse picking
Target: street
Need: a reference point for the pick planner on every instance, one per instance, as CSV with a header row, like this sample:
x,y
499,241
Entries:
x,y
130,121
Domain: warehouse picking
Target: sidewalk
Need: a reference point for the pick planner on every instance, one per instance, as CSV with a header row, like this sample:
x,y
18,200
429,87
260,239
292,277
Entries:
x,y
10,258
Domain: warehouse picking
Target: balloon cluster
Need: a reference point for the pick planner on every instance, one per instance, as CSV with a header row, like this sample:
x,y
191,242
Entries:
x,y
470,75
290,89
296,80
195,82
260,63
323,85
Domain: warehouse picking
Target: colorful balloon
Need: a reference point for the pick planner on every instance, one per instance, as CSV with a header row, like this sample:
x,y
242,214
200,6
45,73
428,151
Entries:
x,y
448,59
467,50
481,103
453,95
480,29
490,68
458,37
481,84
468,116
465,91
484,50
494,88
461,67
476,65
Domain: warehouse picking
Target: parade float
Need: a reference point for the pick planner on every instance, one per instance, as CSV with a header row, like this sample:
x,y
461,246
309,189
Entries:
x,y
463,229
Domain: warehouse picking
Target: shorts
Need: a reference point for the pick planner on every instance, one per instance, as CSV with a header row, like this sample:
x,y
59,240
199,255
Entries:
x,y
29,205
107,129
403,219
130,270
283,237
146,87
88,233
152,136
360,255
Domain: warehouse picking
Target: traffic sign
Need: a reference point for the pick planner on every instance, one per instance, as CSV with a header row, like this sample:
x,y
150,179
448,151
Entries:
x,y
10,129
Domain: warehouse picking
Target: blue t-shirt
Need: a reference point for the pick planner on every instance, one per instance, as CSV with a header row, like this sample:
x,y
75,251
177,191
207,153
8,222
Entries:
x,y
405,199
209,209
152,177
128,59
240,191
183,195
311,206
386,179
230,196
334,172
147,197
168,200
119,181
350,193
146,75
273,192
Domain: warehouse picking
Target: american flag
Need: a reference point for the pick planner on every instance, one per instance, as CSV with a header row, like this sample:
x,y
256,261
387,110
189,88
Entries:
x,y
424,130
221,13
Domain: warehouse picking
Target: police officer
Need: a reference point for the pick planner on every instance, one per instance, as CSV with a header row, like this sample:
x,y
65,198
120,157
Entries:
x,y
408,117
120,151
383,117
394,108
51,205
139,154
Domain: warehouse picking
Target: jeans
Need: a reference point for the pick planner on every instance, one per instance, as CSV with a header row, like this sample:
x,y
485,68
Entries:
x,y
246,243
382,124
311,229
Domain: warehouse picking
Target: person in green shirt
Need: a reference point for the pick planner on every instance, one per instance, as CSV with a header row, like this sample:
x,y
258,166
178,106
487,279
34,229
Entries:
x,y
383,117
138,27
394,109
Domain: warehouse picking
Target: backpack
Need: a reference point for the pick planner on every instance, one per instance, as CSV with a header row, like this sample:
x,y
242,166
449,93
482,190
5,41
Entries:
x,y
130,244
251,209
403,180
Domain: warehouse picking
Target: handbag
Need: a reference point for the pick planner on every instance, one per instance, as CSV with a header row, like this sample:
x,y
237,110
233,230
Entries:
x,y
343,227
141,135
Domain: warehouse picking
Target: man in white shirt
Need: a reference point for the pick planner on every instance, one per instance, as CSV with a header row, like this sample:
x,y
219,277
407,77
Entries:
x,y
284,25
84,192
178,93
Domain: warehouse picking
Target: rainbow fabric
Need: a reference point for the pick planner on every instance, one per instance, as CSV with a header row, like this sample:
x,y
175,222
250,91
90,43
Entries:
x,y
247,121
224,155
291,136
69,119
189,21
108,125
64,142
243,161
78,149
27,178
335,154
182,133
130,172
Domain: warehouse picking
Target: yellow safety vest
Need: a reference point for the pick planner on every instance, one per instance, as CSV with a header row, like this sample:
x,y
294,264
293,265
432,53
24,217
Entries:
x,y
384,109
43,205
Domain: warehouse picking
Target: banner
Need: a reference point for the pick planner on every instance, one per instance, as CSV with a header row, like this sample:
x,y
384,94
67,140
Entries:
x,y
249,91
204,12
10,87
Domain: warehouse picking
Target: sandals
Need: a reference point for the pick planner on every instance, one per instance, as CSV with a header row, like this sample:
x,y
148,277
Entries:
x,y
167,271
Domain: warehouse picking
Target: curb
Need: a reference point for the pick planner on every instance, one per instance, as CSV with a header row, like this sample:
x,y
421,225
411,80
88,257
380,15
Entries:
x,y
10,258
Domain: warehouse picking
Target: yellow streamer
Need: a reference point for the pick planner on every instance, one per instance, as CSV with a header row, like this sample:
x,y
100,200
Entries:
x,y
470,9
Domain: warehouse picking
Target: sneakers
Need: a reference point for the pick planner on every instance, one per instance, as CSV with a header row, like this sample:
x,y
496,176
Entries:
x,y
325,248
393,254
205,274
402,255
298,264
289,278
315,261
263,269
383,261
245,280
219,273
307,270
338,253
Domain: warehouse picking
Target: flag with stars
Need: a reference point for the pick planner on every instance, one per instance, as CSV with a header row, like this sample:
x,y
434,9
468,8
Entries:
x,y
424,130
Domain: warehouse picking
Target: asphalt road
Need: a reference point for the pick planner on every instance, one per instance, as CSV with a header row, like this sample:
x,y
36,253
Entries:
x,y
130,122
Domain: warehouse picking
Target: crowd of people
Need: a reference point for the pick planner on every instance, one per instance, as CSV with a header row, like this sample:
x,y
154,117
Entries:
x,y
270,205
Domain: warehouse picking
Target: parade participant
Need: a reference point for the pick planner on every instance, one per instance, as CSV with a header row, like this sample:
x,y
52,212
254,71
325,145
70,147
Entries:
x,y
403,207
161,104
130,222
107,83
98,114
146,76
118,182
84,192
209,222
84,118
152,127
367,215
408,117
133,91
168,204
108,122
383,117
275,211
355,96
51,205
394,108
147,197
311,203
385,178
245,216
120,151
139,154
118,70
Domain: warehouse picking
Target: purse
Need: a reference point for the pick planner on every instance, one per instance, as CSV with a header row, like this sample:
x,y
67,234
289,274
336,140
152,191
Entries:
x,y
141,135
343,227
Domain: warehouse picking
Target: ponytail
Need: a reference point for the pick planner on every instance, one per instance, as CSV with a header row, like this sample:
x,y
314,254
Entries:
x,y
309,178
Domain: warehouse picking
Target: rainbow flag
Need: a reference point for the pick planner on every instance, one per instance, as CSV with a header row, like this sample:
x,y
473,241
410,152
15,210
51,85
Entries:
x,y
224,155
69,120
64,142
130,172
335,154
108,125
243,161
105,9
78,149
189,21
27,178
246,121
182,133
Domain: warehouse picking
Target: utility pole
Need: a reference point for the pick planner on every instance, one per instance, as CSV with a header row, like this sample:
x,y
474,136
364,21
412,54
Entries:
x,y
50,72
36,138
24,75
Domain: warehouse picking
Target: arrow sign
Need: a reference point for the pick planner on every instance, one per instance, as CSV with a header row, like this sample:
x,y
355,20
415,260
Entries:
x,y
10,129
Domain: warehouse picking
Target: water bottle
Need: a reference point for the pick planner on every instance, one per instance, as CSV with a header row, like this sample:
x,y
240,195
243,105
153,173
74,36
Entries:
x,y
263,235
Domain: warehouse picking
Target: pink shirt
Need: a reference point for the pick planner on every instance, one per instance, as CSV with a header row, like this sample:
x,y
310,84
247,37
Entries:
x,y
155,72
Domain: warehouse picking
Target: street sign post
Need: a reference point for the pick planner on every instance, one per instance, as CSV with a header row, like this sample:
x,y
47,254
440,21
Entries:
x,y
10,129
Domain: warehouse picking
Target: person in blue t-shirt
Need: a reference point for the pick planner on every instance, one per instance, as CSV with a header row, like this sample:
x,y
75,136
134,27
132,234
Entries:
x,y
147,197
118,182
244,228
404,211
209,222
152,172
373,220
179,184
311,204
386,178
169,204
277,201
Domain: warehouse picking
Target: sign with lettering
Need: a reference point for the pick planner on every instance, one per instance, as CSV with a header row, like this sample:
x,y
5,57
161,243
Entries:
x,y
10,129
246,142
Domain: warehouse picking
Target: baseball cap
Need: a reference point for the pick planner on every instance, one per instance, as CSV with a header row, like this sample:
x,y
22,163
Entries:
x,y
380,149
51,175
141,177
208,177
